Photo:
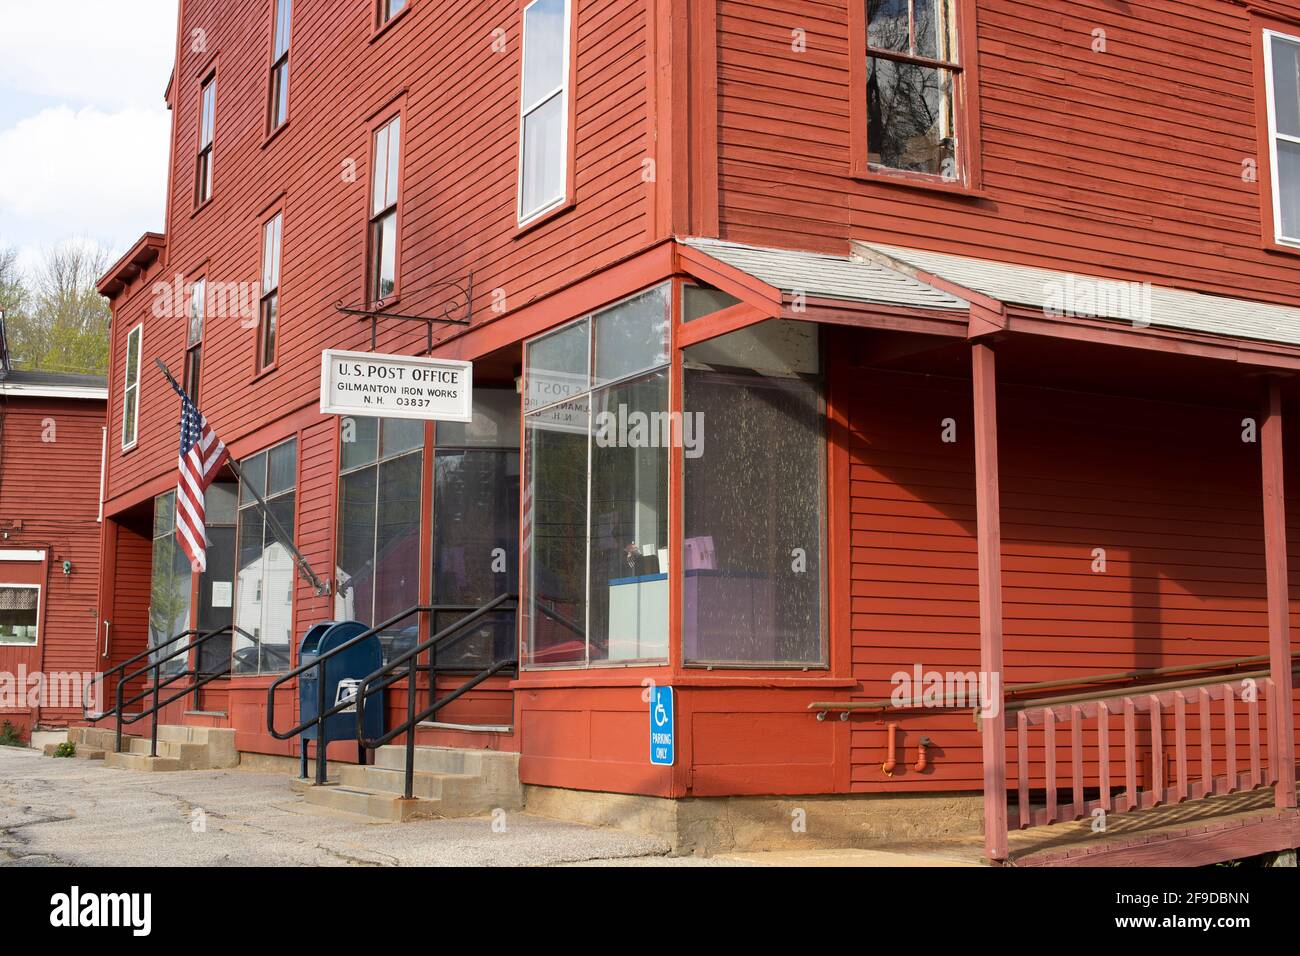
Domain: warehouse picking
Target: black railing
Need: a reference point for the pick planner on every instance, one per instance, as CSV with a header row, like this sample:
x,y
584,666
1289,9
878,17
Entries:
x,y
201,679
119,670
323,713
408,662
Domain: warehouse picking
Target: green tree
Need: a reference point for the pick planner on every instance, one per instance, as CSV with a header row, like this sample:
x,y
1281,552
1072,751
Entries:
x,y
59,322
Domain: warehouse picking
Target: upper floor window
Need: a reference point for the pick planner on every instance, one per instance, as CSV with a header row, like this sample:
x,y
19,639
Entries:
x,y
194,338
1282,77
544,108
131,388
914,94
389,9
269,313
207,127
279,110
383,210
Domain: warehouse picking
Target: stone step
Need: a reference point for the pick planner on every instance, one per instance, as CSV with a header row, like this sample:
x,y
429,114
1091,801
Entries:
x,y
428,786
133,761
188,748
389,807
81,753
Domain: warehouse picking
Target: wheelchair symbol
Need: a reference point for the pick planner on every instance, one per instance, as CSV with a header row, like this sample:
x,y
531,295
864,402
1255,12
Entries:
x,y
661,713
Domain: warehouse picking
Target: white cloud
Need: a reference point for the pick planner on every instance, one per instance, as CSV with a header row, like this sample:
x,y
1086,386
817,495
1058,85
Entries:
x,y
88,173
107,53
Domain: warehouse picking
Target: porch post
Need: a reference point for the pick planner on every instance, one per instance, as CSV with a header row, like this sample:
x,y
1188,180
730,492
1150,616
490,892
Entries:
x,y
993,733
1279,611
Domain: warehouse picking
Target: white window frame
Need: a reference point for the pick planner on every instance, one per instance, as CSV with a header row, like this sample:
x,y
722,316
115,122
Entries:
x,y
563,90
1273,136
126,389
39,598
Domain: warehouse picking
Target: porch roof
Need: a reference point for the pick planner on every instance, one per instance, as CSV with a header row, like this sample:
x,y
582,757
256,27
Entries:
x,y
1036,288
816,275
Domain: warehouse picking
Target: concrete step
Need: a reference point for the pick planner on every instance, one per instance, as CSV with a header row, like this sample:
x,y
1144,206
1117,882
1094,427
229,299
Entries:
x,y
389,807
447,783
82,752
187,748
132,761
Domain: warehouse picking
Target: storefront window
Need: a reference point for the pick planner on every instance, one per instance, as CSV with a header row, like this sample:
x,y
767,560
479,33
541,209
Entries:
x,y
264,580
476,527
752,589
378,550
216,589
596,505
169,583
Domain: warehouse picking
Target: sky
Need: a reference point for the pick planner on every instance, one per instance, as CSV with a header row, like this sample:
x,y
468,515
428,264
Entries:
x,y
83,125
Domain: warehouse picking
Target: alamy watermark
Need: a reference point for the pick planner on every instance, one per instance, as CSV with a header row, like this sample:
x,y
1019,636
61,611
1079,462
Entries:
x,y
54,689
978,690
632,428
1083,298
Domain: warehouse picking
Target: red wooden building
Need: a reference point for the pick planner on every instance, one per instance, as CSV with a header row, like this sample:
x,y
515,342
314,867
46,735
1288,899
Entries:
x,y
51,449
973,326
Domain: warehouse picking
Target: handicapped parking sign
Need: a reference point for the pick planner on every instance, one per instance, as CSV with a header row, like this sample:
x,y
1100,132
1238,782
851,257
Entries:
x,y
662,744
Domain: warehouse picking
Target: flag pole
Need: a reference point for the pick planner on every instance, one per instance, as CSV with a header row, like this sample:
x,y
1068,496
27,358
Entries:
x,y
321,587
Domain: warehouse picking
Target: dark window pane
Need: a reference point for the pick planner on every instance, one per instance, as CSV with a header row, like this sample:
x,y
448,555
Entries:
x,y
558,366
354,597
282,467
401,434
557,531
910,118
254,471
632,336
629,521
699,301
752,565
475,550
495,424
888,27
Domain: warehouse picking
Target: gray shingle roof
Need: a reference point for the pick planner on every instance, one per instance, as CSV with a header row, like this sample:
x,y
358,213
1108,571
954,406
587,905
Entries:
x,y
1161,307
832,277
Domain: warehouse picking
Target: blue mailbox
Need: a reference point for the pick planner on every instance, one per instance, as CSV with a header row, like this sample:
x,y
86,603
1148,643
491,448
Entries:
x,y
343,672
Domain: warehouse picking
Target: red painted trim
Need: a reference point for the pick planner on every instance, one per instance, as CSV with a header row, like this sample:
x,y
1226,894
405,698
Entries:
x,y
989,544
1279,600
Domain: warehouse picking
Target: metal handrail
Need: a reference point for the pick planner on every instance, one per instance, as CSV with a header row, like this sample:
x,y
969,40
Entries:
x,y
157,705
390,673
85,704
323,713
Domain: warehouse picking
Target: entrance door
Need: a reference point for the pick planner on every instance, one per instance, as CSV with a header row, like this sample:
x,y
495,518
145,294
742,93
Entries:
x,y
476,528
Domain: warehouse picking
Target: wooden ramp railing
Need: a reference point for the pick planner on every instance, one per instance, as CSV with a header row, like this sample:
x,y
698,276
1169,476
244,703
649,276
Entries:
x,y
1213,734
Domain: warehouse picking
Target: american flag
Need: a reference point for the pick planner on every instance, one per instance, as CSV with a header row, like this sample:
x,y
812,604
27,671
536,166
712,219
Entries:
x,y
202,455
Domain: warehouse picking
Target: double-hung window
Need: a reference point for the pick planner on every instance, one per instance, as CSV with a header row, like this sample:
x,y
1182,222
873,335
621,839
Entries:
x,y
383,210
544,108
914,87
207,130
131,388
20,613
1282,78
194,338
279,106
269,313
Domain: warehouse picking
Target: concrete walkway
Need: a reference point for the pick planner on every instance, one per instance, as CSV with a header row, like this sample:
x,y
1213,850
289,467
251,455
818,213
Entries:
x,y
80,813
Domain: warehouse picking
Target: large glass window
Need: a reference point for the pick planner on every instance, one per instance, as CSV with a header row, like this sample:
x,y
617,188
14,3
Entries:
x,y
1282,75
264,576
170,581
378,548
596,508
216,591
752,589
476,527
912,79
544,108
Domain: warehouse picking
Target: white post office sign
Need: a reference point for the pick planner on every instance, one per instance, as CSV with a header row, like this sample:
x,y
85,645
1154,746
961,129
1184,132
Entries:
x,y
396,386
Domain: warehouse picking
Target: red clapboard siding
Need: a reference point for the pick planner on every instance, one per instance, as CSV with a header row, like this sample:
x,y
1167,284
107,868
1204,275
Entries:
x,y
50,451
1171,493
1125,163
459,101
